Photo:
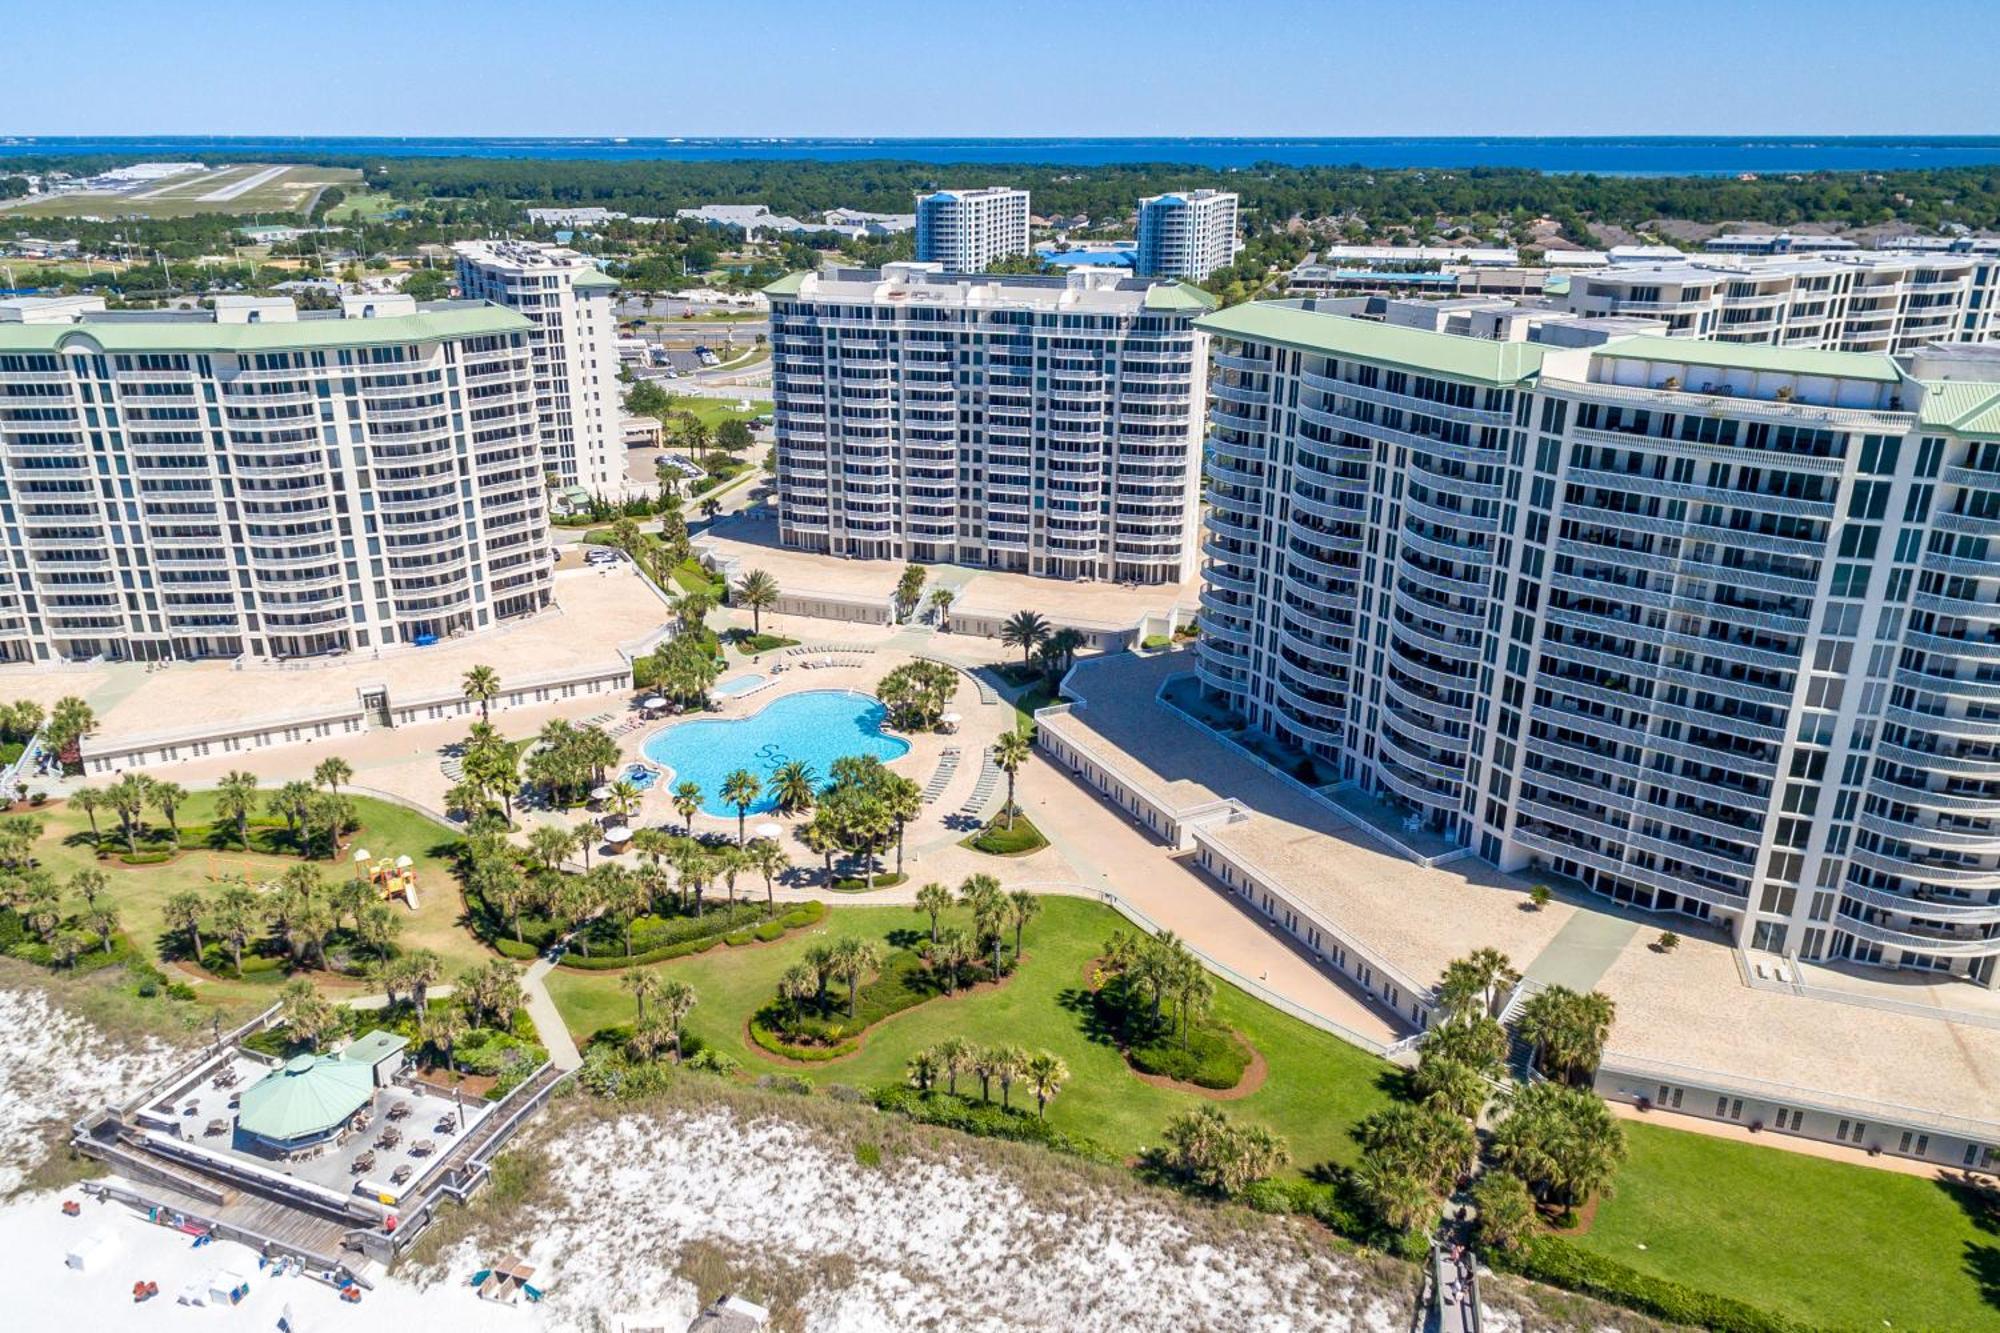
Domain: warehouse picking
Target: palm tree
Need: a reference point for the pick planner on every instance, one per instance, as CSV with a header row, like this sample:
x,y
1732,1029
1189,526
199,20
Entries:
x,y
184,911
758,591
982,894
855,960
235,800
293,803
1024,630
676,1000
421,971
127,799
1064,643
643,985
687,800
1046,1074
951,952
549,844
933,899
1009,1063
482,686
90,800
1009,753
768,859
794,786
170,796
1022,908
69,722
441,1029
923,1069
955,1056
941,600
822,835
625,798
1568,1029
331,772
305,1013
741,789
235,913
799,983
909,590
581,839
902,801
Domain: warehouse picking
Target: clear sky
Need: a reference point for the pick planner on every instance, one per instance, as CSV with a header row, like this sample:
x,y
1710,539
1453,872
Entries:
x,y
1002,67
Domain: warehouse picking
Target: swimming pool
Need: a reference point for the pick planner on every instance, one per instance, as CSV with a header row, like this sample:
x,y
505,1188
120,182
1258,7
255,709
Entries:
x,y
641,776
738,685
815,728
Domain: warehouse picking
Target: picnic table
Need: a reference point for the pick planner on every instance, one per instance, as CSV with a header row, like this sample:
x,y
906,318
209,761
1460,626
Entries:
x,y
217,1127
400,1174
446,1126
423,1148
389,1138
399,1111
365,1162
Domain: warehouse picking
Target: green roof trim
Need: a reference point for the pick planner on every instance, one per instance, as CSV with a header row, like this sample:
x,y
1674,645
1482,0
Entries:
x,y
373,1048
1326,334
279,336
788,285
310,1096
1179,296
595,280
1756,357
1968,407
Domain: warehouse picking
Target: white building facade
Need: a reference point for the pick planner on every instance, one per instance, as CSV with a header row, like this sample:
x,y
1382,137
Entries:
x,y
574,338
1048,426
967,230
1709,628
267,482
1187,235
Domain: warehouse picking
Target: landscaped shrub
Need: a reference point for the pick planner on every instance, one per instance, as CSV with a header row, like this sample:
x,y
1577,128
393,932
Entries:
x,y
770,930
1556,1261
988,1120
996,839
145,858
1213,1057
737,938
775,1042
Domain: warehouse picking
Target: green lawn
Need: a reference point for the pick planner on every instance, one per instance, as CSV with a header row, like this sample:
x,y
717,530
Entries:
x,y
1317,1086
1840,1245
712,412
141,892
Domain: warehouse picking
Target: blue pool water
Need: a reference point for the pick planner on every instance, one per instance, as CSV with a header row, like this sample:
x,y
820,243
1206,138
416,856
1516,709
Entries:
x,y
641,776
815,728
736,685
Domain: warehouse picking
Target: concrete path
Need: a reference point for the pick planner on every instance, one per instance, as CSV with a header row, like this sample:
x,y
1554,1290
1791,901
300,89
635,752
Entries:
x,y
1582,951
379,1001
563,1053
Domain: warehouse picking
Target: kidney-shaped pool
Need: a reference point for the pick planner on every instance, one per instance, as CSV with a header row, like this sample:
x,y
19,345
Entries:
x,y
814,728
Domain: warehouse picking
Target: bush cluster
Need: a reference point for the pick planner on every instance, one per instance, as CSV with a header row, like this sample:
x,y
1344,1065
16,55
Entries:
x,y
1557,1262
987,1120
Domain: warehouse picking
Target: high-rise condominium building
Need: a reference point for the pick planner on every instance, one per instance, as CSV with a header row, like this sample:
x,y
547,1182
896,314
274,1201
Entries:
x,y
1188,235
1709,627
1860,302
966,230
1044,425
575,344
263,480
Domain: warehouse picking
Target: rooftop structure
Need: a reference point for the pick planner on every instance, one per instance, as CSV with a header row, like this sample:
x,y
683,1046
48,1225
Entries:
x,y
1776,243
965,231
1035,424
1187,235
1797,756
287,482
573,337
574,217
307,1100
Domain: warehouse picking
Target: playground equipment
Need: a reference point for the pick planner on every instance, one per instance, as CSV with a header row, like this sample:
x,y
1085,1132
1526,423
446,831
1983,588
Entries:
x,y
392,878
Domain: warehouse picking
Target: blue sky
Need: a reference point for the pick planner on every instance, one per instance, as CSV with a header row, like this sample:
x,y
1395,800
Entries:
x,y
1002,67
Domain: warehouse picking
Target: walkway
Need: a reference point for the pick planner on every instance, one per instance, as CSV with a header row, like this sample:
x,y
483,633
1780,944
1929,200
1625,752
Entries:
x,y
1583,950
563,1053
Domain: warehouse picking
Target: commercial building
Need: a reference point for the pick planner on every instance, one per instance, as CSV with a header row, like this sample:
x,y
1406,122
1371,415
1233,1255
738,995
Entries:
x,y
1187,235
1042,425
574,341
1708,627
966,230
261,480
1859,302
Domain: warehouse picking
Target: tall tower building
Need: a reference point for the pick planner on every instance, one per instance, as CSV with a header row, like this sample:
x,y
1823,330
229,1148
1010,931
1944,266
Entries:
x,y
574,340
966,230
1044,425
1186,236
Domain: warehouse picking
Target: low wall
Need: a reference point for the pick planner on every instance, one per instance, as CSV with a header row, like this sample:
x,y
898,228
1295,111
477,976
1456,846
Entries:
x,y
1097,636
114,754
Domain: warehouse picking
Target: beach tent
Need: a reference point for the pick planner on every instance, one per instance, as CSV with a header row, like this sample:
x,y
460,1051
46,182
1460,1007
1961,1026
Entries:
x,y
92,1252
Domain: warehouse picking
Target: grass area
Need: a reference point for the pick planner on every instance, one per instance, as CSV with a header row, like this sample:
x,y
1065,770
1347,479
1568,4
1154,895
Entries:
x,y
1317,1087
141,892
751,644
1842,1246
996,839
182,196
362,205
712,412
693,576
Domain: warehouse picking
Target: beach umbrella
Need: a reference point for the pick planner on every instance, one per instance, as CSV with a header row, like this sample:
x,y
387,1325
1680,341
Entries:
x,y
600,793
652,701
769,830
618,833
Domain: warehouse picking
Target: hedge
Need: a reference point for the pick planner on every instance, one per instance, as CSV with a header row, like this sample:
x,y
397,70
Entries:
x,y
777,1045
805,914
987,1120
1214,1058
1555,1261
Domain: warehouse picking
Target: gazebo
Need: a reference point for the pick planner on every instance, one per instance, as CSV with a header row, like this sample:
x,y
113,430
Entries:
x,y
305,1102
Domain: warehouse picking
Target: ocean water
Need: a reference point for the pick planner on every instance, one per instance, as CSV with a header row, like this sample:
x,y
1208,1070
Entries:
x,y
1609,156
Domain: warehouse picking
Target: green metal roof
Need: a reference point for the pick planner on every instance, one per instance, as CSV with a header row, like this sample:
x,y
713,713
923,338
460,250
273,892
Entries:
x,y
310,1096
788,285
287,335
373,1048
1968,407
1496,363
1179,296
594,280
1757,356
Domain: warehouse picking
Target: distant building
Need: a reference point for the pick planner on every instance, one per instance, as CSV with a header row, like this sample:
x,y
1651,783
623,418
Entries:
x,y
1187,235
966,230
755,219
857,223
1043,425
575,342
573,217
1775,243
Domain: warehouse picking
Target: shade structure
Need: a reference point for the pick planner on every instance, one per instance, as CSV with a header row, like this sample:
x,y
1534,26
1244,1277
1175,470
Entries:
x,y
952,719
618,833
404,863
600,793
769,830
363,854
313,1095
652,701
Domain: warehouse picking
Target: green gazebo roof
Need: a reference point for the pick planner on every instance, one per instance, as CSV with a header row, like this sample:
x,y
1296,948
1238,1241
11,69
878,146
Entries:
x,y
311,1095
